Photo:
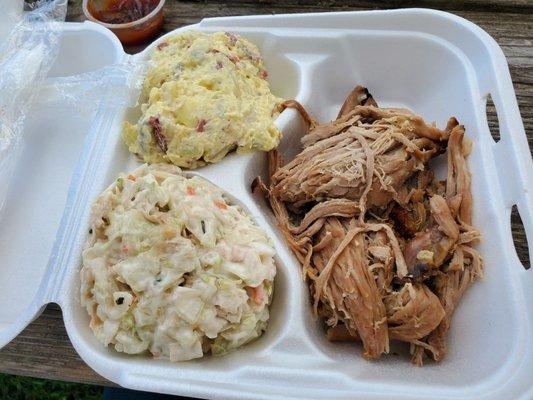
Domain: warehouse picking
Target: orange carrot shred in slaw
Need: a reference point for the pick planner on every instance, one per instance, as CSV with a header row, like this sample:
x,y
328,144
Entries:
x,y
220,204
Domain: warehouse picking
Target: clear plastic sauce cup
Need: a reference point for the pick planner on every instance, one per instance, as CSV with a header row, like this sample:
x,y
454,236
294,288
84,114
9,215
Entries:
x,y
133,21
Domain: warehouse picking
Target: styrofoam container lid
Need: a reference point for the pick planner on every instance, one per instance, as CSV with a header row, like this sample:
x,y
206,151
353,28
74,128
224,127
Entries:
x,y
434,63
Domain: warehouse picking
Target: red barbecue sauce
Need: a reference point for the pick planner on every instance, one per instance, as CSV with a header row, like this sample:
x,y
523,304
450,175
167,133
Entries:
x,y
123,11
124,14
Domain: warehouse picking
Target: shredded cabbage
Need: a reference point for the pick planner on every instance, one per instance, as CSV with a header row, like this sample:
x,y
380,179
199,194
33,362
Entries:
x,y
170,267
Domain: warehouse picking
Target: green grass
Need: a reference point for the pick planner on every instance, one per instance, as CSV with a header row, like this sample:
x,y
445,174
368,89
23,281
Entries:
x,y
22,388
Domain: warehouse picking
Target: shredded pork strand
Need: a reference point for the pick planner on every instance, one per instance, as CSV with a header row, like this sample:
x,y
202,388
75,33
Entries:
x,y
385,248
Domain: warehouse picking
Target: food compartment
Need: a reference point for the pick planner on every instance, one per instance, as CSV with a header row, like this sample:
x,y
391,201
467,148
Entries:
x,y
435,80
78,319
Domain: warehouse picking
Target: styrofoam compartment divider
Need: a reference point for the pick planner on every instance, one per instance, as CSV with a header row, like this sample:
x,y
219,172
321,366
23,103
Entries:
x,y
432,62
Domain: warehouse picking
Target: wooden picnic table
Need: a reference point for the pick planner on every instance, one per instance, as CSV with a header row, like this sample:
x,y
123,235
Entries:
x,y
43,348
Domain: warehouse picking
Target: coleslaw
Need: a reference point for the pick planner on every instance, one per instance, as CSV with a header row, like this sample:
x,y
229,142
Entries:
x,y
173,269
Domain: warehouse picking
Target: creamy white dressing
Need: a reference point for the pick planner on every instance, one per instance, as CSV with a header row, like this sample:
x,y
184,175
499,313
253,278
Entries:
x,y
170,267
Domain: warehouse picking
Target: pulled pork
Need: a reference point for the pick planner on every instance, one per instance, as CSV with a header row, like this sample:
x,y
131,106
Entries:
x,y
385,247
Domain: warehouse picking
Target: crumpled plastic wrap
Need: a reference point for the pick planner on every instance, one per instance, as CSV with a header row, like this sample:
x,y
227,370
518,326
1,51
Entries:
x,y
114,85
26,56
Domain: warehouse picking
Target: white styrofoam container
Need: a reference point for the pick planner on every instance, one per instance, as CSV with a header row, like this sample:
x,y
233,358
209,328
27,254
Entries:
x,y
434,63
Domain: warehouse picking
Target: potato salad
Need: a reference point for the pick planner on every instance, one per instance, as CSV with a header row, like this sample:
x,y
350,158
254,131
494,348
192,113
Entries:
x,y
173,269
204,96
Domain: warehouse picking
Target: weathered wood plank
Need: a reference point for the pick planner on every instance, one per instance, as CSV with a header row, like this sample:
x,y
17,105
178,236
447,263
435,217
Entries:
x,y
43,349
